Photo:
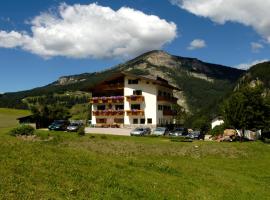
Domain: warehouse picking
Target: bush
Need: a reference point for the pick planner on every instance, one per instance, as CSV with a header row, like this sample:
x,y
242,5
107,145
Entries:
x,y
218,130
22,130
81,131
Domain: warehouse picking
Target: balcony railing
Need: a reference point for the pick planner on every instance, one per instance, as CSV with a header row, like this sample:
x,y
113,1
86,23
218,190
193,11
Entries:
x,y
117,86
136,98
167,99
109,113
168,113
135,112
104,100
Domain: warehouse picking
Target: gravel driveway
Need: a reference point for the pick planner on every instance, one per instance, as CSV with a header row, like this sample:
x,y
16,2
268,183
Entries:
x,y
109,131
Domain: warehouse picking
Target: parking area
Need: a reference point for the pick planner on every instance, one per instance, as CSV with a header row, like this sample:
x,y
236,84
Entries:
x,y
109,131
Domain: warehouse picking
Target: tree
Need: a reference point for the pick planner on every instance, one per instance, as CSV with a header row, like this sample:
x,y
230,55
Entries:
x,y
180,114
45,114
247,108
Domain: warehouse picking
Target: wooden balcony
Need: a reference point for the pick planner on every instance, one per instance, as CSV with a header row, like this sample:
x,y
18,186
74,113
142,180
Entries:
x,y
109,113
135,98
118,86
168,113
107,100
135,112
167,99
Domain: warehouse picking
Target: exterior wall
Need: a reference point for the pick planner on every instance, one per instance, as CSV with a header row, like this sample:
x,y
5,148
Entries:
x,y
217,122
149,91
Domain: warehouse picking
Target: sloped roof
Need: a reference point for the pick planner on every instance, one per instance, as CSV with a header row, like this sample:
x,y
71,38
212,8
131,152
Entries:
x,y
157,80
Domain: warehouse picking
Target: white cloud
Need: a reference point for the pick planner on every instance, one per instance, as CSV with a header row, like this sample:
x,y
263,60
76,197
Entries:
x,y
197,44
250,64
82,31
256,47
254,13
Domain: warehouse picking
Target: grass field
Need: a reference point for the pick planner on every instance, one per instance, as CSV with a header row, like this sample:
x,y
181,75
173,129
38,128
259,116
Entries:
x,y
114,167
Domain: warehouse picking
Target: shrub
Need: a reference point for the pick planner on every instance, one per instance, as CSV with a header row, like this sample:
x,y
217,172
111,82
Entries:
x,y
81,131
23,130
218,130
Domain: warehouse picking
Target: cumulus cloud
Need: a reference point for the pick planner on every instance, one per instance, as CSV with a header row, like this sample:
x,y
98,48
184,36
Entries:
x,y
246,66
256,47
197,44
82,31
254,13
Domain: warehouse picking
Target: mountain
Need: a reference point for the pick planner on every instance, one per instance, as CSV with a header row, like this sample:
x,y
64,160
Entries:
x,y
202,84
257,74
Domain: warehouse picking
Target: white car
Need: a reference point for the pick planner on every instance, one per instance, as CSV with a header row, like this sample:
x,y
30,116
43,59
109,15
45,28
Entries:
x,y
160,131
140,131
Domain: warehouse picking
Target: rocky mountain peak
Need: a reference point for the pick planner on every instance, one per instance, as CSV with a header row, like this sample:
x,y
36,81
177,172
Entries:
x,y
162,58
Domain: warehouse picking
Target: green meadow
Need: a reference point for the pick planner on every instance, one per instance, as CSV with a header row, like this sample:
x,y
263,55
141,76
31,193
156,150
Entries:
x,y
59,165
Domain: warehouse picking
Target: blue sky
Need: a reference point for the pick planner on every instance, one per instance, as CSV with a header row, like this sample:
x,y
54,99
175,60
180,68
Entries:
x,y
26,64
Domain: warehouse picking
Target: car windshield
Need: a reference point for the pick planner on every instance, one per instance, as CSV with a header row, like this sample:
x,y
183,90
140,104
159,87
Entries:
x,y
138,129
74,124
160,129
179,129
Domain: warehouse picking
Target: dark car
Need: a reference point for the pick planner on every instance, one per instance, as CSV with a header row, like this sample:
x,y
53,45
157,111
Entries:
x,y
74,126
59,125
140,131
179,132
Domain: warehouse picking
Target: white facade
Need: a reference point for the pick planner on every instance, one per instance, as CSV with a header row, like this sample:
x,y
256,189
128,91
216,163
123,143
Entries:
x,y
150,102
216,122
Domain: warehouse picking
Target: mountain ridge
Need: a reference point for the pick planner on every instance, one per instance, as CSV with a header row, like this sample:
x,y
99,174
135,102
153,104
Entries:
x,y
203,84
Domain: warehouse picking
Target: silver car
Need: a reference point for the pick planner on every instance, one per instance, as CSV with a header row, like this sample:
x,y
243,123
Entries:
x,y
160,131
140,131
73,127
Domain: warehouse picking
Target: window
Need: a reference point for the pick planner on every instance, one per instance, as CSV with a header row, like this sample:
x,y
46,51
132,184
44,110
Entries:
x,y
135,107
130,81
137,92
101,121
135,121
119,107
160,107
142,121
119,120
101,107
159,93
149,121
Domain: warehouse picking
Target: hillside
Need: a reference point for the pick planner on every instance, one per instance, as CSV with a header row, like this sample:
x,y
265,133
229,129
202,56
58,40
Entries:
x,y
202,84
257,74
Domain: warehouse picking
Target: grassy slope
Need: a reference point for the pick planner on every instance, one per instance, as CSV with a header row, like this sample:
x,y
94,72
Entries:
x,y
8,117
108,167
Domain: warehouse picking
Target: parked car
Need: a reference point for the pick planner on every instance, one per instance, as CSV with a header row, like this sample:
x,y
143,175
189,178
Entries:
x,y
195,135
140,131
160,131
183,132
74,126
59,125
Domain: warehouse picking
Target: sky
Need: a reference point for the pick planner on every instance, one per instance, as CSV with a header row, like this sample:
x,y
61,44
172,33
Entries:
x,y
41,41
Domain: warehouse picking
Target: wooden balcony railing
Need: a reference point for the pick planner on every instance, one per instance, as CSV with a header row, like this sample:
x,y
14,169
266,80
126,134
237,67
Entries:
x,y
109,113
168,113
135,112
167,99
136,98
104,100
117,86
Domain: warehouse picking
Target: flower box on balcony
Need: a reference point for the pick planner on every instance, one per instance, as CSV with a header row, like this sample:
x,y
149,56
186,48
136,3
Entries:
x,y
135,112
